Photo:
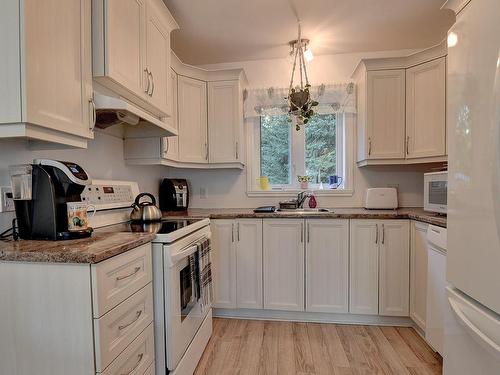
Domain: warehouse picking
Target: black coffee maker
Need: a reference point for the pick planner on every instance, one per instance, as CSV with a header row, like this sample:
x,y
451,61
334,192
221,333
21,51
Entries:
x,y
41,209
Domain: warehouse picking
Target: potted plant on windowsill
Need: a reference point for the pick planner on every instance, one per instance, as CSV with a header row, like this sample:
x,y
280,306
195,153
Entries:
x,y
304,181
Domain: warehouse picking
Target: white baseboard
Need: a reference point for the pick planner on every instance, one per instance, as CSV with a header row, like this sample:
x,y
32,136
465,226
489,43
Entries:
x,y
296,316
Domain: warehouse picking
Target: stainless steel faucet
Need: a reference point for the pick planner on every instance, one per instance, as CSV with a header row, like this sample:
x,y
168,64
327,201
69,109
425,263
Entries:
x,y
301,197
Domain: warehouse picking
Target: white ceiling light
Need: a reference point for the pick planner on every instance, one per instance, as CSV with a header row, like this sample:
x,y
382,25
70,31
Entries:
x,y
308,55
452,39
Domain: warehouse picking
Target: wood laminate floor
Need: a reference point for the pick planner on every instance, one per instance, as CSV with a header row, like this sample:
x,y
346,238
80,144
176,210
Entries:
x,y
285,348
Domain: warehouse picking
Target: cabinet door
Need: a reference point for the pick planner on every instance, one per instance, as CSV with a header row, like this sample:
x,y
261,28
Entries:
x,y
126,49
58,70
418,273
394,282
225,118
158,57
171,144
223,263
363,260
283,252
327,265
385,117
193,146
249,263
425,109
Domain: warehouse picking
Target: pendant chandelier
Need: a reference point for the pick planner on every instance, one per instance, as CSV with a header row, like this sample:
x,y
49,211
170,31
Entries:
x,y
299,98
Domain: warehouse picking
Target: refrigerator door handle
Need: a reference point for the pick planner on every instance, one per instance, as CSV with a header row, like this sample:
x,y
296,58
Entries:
x,y
484,328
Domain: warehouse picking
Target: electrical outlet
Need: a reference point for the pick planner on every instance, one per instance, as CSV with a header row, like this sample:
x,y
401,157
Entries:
x,y
6,201
203,193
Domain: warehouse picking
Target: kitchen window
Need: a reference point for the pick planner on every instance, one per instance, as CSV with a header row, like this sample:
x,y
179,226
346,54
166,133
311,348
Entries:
x,y
316,150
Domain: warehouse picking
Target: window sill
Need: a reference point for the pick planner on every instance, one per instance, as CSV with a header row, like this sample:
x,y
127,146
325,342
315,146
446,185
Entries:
x,y
293,193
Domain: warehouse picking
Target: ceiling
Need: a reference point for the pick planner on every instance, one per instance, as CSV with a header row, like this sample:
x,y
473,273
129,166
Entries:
x,y
214,31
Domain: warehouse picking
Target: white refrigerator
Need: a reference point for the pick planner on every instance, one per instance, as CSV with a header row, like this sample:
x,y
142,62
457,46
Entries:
x,y
472,322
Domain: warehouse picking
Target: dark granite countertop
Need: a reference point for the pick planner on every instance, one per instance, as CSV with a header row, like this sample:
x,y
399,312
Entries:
x,y
335,213
100,246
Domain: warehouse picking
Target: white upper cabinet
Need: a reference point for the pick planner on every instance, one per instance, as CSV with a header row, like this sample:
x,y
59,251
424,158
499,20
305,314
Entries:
x,y
171,144
131,50
327,265
394,280
364,249
283,259
223,263
385,114
192,102
45,71
225,121
158,56
401,108
425,109
418,273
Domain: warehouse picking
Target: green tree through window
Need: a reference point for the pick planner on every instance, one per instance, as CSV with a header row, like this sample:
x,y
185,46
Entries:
x,y
315,152
321,150
275,149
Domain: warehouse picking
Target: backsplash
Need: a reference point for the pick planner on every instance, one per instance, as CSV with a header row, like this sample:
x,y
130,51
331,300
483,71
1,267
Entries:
x,y
102,160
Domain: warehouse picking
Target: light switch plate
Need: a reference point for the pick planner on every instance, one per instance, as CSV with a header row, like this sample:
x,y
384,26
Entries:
x,y
6,201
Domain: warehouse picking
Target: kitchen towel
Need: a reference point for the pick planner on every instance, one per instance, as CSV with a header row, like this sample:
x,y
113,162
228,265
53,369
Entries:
x,y
205,270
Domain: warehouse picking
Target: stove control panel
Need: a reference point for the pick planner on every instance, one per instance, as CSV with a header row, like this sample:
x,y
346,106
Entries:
x,y
110,195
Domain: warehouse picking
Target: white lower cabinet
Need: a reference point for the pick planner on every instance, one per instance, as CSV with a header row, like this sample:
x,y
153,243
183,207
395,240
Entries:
x,y
327,265
394,268
97,318
248,240
237,263
283,258
379,267
314,265
223,263
363,286
418,273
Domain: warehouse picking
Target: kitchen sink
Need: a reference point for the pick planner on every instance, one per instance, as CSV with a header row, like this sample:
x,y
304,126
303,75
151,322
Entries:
x,y
305,210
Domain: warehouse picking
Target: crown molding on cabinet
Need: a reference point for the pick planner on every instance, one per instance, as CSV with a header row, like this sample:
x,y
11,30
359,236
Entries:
x,y
455,5
403,62
207,75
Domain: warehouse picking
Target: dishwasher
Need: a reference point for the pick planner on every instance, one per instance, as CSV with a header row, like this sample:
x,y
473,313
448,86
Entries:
x,y
436,287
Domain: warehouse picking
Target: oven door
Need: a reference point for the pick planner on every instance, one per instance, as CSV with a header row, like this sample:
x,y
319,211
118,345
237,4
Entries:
x,y
184,309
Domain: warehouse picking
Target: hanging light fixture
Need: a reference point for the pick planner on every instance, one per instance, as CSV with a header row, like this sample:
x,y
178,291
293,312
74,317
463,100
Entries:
x,y
299,98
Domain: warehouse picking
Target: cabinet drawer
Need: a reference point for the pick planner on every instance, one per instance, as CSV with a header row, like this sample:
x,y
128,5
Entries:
x,y
137,358
116,279
119,327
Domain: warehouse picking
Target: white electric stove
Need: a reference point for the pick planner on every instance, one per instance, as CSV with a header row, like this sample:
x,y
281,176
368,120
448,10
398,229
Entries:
x,y
183,325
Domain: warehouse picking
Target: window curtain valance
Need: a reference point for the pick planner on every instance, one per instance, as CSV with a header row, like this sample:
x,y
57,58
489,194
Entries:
x,y
335,98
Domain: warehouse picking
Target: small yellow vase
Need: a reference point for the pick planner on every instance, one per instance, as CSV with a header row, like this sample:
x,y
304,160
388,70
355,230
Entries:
x,y
263,183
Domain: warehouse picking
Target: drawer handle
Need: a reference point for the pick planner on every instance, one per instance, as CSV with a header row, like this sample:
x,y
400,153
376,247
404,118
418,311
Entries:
x,y
139,360
137,316
136,269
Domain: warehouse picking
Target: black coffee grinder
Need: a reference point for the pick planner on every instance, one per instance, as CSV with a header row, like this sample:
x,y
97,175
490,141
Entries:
x,y
40,199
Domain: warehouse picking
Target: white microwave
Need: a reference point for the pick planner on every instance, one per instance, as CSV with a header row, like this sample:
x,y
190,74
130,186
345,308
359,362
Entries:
x,y
436,192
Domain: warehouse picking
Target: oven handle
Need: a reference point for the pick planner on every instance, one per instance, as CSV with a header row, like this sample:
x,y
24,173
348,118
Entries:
x,y
187,251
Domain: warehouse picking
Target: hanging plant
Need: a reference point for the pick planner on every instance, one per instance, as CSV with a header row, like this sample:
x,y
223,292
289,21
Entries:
x,y
299,98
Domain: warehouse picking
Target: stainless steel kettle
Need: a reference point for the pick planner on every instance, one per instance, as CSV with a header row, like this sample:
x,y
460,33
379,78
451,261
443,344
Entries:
x,y
145,211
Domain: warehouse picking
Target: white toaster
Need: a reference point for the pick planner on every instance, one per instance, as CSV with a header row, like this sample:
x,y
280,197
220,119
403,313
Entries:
x,y
381,198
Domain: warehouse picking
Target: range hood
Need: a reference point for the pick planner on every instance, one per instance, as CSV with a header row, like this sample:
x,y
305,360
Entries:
x,y
114,111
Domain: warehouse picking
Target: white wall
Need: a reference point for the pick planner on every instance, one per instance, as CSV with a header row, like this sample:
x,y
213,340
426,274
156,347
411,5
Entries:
x,y
102,160
227,188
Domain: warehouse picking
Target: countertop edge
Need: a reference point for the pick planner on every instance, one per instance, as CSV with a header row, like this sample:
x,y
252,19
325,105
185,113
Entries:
x,y
66,257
